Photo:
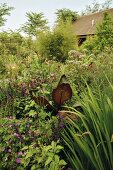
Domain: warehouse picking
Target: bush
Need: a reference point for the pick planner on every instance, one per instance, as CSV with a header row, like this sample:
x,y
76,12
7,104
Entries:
x,y
103,37
43,157
13,43
57,43
90,68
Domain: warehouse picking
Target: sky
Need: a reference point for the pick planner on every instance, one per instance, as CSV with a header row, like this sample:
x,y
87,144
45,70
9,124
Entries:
x,y
47,7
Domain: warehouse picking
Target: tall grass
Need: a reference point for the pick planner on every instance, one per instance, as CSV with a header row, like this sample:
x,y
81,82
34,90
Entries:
x,y
89,141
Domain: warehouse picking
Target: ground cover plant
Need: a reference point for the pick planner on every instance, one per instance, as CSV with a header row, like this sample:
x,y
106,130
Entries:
x,y
32,140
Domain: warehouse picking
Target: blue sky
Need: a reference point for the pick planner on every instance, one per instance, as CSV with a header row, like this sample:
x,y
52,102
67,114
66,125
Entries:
x,y
48,7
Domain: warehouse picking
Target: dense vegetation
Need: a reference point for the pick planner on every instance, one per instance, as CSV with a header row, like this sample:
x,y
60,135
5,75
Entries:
x,y
56,102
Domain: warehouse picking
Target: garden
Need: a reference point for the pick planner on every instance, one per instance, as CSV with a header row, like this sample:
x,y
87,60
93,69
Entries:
x,y
56,98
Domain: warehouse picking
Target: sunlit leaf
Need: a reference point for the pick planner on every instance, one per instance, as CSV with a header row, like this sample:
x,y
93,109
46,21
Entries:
x,y
49,159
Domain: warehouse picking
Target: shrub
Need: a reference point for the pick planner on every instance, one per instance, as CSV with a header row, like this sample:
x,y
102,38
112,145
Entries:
x,y
57,43
103,37
43,157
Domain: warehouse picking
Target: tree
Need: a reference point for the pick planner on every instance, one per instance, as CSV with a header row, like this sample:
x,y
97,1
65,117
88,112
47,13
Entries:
x,y
35,23
106,4
96,7
4,10
64,15
105,32
56,44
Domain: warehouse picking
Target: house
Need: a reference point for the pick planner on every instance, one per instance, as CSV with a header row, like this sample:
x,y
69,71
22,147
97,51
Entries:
x,y
86,25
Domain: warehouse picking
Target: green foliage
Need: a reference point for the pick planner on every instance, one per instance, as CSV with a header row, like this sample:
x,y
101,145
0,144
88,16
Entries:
x,y
90,140
55,45
105,33
66,15
24,107
35,23
90,68
103,38
13,133
22,75
43,157
27,133
90,44
13,43
4,10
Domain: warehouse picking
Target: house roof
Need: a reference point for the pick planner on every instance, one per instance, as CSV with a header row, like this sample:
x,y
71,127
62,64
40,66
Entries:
x,y
86,25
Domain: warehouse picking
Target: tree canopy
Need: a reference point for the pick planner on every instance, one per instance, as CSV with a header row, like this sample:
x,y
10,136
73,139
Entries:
x,y
36,23
4,10
64,15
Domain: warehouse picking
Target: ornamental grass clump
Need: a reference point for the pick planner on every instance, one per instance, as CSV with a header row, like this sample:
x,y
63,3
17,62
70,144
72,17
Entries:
x,y
89,141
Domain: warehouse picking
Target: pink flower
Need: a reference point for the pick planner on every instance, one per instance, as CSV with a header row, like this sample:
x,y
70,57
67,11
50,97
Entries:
x,y
18,160
20,153
9,150
16,135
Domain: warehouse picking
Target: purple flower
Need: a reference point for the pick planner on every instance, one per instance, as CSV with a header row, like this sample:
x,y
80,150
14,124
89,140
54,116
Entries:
x,y
18,160
61,125
9,150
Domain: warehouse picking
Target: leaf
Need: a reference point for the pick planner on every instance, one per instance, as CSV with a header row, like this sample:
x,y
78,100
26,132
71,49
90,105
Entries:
x,y
62,93
33,167
32,103
48,148
112,138
39,160
49,159
32,113
29,154
53,144
42,101
62,79
24,148
59,147
62,162
56,158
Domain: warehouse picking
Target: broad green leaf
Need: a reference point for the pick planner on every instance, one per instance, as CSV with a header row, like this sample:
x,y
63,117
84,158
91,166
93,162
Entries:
x,y
49,159
48,147
62,162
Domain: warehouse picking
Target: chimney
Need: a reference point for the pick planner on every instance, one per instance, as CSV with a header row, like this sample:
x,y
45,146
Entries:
x,y
93,22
